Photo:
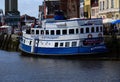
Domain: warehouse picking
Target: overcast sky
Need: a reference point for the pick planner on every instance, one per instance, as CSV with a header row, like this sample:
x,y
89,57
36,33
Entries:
x,y
29,7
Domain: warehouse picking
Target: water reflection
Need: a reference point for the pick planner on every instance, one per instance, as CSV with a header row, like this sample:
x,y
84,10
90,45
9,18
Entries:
x,y
17,68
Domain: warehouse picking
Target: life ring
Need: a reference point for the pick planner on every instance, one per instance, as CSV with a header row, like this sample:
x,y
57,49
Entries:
x,y
89,35
100,35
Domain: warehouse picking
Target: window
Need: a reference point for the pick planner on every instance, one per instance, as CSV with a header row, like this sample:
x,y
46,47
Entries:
x,y
107,4
101,29
64,31
52,32
37,31
103,5
92,29
71,31
42,32
28,31
57,32
93,12
32,31
81,30
100,6
47,32
77,31
87,30
117,16
97,10
97,29
67,44
61,44
74,44
56,44
112,3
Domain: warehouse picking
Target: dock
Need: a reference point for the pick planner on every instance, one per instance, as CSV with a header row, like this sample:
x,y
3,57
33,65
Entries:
x,y
9,42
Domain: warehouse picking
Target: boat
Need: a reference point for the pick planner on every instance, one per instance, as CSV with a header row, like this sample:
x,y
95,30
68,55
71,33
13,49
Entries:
x,y
64,37
5,29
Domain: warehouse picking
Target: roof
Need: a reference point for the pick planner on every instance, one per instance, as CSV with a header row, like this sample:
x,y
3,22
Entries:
x,y
27,16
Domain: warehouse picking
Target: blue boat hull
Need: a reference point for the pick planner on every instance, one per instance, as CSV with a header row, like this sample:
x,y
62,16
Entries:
x,y
64,51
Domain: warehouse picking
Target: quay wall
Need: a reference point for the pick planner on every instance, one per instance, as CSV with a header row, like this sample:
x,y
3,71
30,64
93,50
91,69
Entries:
x,y
9,42
113,44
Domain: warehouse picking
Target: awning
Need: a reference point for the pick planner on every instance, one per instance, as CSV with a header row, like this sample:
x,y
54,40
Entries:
x,y
108,20
116,21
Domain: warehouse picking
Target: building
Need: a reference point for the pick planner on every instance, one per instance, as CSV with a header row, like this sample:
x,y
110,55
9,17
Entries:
x,y
109,9
27,20
81,8
87,8
11,6
41,12
12,15
94,9
63,6
1,17
50,6
73,8
70,8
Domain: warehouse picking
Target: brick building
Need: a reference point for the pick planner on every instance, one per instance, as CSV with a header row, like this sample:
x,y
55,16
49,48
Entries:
x,y
69,7
73,8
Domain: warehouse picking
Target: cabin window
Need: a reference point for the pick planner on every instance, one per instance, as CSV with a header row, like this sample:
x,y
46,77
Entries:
x,y
37,31
28,31
87,30
81,30
52,32
74,44
97,29
101,29
57,32
30,42
64,31
71,31
42,32
77,31
47,32
92,29
32,31
56,44
67,44
61,44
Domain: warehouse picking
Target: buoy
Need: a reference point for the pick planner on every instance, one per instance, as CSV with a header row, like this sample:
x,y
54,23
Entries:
x,y
89,35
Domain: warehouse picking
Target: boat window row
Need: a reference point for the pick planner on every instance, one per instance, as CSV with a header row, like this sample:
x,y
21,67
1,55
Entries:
x,y
66,44
68,31
69,43
56,44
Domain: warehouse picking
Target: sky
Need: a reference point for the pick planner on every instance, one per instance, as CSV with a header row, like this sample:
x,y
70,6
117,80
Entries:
x,y
29,7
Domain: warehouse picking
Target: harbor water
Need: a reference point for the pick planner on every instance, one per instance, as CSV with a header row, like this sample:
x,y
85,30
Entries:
x,y
17,68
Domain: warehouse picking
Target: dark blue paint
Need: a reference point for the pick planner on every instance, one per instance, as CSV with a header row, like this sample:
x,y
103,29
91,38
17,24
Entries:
x,y
63,51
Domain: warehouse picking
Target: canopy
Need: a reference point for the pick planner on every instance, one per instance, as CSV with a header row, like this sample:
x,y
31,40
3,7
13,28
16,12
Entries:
x,y
5,26
116,21
108,20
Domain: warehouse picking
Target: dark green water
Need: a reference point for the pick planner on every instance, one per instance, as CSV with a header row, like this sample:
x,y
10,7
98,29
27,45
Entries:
x,y
17,68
